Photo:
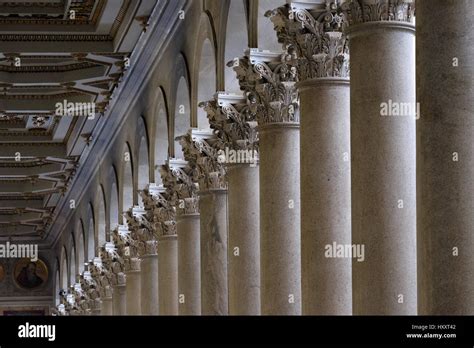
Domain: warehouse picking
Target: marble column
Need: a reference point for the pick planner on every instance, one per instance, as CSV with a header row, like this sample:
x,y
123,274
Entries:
x,y
324,93
383,146
244,239
133,287
145,227
279,146
149,278
189,260
106,307
112,254
235,127
102,275
162,212
445,157
214,287
200,148
168,274
119,300
178,178
125,240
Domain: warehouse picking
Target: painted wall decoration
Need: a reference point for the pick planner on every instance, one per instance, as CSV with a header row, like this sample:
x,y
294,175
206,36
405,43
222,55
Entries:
x,y
2,272
30,275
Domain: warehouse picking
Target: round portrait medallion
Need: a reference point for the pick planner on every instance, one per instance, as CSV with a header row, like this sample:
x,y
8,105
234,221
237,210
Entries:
x,y
30,275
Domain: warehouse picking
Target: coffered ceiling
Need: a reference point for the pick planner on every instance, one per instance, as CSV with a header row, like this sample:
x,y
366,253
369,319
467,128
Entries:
x,y
55,55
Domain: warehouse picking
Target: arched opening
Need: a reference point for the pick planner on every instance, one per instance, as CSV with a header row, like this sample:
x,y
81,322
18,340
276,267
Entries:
x,y
81,251
235,41
72,265
207,81
127,180
64,270
267,38
114,215
161,142
91,245
57,285
182,118
101,226
143,166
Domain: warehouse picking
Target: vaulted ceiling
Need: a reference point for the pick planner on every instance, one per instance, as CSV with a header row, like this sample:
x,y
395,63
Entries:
x,y
55,53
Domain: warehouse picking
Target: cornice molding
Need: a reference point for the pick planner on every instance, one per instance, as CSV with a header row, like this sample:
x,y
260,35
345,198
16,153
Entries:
x,y
47,68
55,37
146,55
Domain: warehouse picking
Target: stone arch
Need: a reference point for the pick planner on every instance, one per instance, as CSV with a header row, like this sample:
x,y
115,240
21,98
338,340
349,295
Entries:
x,y
267,38
143,163
127,191
91,240
57,283
236,41
205,77
64,276
101,235
161,139
182,114
72,261
81,250
114,214
207,81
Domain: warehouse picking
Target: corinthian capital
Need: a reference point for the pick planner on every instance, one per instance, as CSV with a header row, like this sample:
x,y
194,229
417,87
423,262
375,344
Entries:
x,y
114,263
90,287
361,11
245,74
178,178
164,212
201,149
283,24
276,96
141,227
314,36
233,121
102,274
126,244
82,300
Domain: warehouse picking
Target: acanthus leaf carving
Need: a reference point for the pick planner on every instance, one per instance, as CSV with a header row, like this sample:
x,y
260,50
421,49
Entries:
x,y
272,95
315,38
201,150
361,11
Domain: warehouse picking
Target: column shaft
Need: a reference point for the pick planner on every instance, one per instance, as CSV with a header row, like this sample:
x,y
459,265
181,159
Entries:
x,y
106,306
133,289
445,154
168,274
149,285
383,167
189,264
244,239
214,288
280,219
325,196
119,300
